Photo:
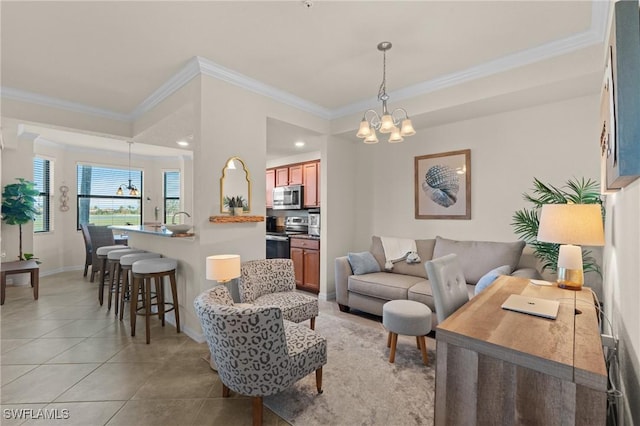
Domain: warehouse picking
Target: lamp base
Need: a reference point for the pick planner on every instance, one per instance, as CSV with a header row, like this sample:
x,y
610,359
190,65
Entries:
x,y
571,279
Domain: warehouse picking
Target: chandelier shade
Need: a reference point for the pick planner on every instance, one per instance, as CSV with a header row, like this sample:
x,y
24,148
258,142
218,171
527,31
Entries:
x,y
387,122
133,190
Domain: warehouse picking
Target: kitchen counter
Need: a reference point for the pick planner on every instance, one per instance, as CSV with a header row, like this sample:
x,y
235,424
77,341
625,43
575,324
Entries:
x,y
305,236
148,229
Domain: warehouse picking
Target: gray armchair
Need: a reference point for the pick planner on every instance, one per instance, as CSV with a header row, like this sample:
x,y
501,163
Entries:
x,y
257,353
272,282
448,285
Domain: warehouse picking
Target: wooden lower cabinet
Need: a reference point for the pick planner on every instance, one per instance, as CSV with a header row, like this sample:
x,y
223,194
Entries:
x,y
305,254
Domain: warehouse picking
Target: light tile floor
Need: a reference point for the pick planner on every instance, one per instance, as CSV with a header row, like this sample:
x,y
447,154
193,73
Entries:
x,y
66,352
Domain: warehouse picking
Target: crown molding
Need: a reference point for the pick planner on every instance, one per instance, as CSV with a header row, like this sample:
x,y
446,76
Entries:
x,y
35,98
175,82
201,66
211,69
595,34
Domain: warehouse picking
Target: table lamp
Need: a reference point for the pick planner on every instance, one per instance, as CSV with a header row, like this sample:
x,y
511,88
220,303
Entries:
x,y
571,225
223,268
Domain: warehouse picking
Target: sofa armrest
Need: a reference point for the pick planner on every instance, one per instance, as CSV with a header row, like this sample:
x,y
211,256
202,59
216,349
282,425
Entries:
x,y
530,273
343,271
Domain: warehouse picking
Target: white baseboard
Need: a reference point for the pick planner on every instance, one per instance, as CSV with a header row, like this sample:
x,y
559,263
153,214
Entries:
x,y
195,335
327,296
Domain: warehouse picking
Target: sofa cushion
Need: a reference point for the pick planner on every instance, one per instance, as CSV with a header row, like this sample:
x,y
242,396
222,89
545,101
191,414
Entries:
x,y
422,292
488,278
479,257
382,285
363,263
425,251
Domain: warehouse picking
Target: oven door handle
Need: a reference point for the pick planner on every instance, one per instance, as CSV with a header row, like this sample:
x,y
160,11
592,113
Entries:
x,y
276,238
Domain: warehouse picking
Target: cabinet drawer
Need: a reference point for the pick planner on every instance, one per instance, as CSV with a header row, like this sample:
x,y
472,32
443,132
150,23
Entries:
x,y
304,243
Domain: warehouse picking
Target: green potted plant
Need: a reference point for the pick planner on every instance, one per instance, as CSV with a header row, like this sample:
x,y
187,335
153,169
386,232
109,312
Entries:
x,y
19,207
235,204
526,221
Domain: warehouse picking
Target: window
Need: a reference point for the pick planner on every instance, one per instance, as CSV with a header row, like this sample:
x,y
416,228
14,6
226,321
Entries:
x,y
171,194
97,200
42,179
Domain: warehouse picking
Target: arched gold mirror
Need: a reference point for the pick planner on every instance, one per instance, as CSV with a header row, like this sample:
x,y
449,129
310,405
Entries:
x,y
235,187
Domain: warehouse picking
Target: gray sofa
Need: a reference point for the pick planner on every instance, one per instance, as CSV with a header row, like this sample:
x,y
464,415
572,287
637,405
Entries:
x,y
368,292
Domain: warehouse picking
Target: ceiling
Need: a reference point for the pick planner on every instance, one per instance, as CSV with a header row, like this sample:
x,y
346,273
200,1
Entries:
x,y
112,56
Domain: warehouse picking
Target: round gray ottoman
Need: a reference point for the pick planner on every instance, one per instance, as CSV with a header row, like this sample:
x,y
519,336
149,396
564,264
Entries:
x,y
408,318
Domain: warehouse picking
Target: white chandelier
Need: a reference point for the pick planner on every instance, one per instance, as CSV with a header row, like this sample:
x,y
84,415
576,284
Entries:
x,y
389,122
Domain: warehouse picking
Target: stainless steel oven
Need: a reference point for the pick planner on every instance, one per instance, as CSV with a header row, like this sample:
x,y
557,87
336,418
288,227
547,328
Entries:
x,y
278,242
277,247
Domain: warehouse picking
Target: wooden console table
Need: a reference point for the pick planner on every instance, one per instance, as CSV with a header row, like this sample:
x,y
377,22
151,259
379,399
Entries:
x,y
20,267
501,367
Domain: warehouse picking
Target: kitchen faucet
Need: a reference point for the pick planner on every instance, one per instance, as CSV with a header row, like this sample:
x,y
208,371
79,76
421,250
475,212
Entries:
x,y
173,219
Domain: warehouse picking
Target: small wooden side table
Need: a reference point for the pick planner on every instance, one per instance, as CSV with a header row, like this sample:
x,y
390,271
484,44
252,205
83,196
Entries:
x,y
21,267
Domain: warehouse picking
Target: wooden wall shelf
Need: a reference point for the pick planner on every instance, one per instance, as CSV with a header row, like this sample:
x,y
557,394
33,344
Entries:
x,y
235,219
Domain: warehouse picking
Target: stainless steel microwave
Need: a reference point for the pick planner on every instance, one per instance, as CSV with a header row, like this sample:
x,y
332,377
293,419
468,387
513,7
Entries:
x,y
288,197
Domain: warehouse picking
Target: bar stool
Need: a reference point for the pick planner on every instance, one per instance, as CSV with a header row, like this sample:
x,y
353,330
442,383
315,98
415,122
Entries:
x,y
125,264
102,254
113,265
143,272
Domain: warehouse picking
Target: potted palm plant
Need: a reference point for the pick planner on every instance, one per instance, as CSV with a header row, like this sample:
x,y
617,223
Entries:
x,y
19,207
526,221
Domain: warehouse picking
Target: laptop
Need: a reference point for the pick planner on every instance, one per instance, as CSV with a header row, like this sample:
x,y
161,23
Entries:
x,y
532,305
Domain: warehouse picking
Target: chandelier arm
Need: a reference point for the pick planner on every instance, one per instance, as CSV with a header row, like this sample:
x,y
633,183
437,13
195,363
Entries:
x,y
397,120
373,118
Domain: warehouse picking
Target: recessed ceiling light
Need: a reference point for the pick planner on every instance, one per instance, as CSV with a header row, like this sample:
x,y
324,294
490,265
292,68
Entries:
x,y
299,144
182,143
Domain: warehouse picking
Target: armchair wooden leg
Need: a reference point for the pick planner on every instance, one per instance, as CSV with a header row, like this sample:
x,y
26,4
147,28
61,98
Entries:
x,y
389,340
319,379
225,391
257,411
418,342
313,323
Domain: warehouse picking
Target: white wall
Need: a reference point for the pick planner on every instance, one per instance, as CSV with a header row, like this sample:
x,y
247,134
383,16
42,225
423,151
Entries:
x,y
553,142
622,288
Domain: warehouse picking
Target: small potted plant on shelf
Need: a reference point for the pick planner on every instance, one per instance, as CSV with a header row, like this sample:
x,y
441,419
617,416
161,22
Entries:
x,y
19,207
235,204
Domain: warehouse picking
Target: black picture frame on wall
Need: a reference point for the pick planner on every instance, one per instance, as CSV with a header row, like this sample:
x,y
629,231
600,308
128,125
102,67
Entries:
x,y
620,100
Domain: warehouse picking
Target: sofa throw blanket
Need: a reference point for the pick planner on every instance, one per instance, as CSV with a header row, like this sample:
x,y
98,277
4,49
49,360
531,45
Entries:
x,y
398,249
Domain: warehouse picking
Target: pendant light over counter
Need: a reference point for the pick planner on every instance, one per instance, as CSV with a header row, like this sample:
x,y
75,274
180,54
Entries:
x,y
133,190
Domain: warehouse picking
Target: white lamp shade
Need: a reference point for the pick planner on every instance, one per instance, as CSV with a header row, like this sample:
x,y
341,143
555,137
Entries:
x,y
372,138
579,224
386,124
395,136
223,267
570,257
407,128
364,129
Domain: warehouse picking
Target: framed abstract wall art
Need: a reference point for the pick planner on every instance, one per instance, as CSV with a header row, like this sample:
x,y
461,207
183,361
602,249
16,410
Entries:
x,y
443,185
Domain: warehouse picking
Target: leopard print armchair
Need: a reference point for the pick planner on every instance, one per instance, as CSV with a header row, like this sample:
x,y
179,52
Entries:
x,y
257,353
272,282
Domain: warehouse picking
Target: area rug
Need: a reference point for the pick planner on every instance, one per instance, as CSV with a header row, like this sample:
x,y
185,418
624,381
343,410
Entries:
x,y
360,386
